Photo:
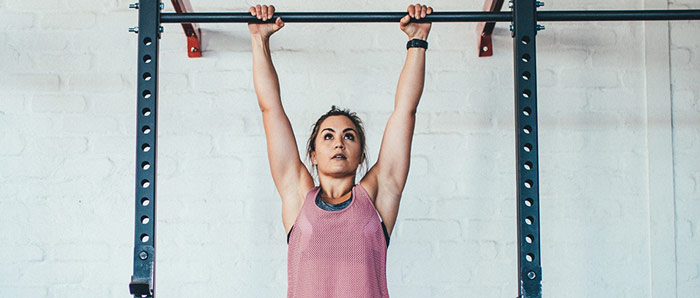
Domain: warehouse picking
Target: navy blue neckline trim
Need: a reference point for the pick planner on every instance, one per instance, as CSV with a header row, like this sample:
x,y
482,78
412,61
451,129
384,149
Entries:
x,y
332,207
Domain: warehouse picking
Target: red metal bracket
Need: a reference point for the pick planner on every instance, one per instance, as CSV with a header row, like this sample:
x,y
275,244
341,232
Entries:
x,y
484,30
194,46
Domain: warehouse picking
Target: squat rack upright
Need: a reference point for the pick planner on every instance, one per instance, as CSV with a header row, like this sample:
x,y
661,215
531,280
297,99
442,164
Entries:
x,y
523,17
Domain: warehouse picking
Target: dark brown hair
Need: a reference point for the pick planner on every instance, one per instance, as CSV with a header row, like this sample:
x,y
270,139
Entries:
x,y
334,111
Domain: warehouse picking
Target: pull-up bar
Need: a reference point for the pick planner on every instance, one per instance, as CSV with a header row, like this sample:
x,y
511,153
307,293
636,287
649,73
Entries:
x,y
335,17
445,16
523,17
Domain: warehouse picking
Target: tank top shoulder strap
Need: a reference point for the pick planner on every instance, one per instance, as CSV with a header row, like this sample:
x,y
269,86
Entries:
x,y
360,191
311,194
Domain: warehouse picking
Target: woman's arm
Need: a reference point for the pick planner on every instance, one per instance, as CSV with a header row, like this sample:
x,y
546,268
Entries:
x,y
291,177
387,178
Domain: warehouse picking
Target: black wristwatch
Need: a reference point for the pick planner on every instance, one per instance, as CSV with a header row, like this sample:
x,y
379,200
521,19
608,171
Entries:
x,y
417,43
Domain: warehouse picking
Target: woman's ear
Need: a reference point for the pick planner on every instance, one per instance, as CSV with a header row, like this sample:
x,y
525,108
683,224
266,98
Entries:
x,y
313,158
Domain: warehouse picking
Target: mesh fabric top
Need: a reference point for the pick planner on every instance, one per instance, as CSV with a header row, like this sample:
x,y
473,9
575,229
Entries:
x,y
337,254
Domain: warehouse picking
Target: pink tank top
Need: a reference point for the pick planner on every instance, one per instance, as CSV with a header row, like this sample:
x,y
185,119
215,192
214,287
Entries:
x,y
337,254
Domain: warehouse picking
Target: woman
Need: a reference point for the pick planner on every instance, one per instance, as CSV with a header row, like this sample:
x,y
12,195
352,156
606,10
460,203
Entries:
x,y
338,232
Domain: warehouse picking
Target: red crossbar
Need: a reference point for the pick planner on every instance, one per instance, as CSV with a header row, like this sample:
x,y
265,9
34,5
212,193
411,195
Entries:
x,y
192,31
484,30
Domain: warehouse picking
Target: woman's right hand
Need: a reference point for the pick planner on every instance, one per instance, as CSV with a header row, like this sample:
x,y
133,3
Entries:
x,y
264,12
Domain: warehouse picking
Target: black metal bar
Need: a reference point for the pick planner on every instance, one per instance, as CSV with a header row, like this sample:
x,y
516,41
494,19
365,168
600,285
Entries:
x,y
335,17
619,15
445,16
143,280
527,167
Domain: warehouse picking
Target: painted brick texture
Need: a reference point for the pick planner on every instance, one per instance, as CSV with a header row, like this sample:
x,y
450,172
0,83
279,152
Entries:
x,y
67,139
685,62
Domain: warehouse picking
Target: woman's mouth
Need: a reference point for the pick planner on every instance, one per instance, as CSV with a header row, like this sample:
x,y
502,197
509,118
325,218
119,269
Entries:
x,y
339,156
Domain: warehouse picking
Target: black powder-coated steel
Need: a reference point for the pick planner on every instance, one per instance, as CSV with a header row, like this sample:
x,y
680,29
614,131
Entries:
x,y
526,148
527,165
143,278
335,17
618,15
444,16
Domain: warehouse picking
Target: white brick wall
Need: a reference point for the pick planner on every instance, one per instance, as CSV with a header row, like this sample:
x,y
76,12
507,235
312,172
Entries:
x,y
67,152
685,62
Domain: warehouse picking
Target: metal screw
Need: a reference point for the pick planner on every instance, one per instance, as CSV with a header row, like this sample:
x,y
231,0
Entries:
x,y
160,29
134,29
162,6
539,3
134,5
531,275
511,28
143,255
540,27
193,50
510,4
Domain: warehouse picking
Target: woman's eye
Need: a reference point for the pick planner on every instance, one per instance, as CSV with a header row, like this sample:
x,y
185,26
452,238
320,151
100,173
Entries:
x,y
327,136
349,137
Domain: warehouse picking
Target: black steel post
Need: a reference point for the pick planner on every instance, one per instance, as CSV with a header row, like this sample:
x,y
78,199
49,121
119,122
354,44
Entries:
x,y
527,167
143,280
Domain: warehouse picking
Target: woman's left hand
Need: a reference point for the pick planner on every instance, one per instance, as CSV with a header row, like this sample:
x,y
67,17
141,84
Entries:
x,y
416,30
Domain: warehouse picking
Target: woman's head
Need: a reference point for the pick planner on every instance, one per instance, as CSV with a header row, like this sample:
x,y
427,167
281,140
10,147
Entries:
x,y
337,128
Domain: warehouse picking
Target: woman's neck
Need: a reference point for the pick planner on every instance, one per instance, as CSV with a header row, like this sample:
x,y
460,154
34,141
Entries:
x,y
336,190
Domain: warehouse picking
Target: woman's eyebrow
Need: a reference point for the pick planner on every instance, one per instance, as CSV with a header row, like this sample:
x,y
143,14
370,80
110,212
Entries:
x,y
344,130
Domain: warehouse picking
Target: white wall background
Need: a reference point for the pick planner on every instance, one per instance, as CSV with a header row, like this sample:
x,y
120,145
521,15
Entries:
x,y
619,114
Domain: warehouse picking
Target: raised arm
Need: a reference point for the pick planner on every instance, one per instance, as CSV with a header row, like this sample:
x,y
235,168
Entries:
x,y
291,177
386,179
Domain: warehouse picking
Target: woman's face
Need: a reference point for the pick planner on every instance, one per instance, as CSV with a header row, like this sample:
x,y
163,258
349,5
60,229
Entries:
x,y
338,148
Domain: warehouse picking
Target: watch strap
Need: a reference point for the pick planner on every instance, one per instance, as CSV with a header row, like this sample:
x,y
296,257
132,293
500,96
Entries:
x,y
417,43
